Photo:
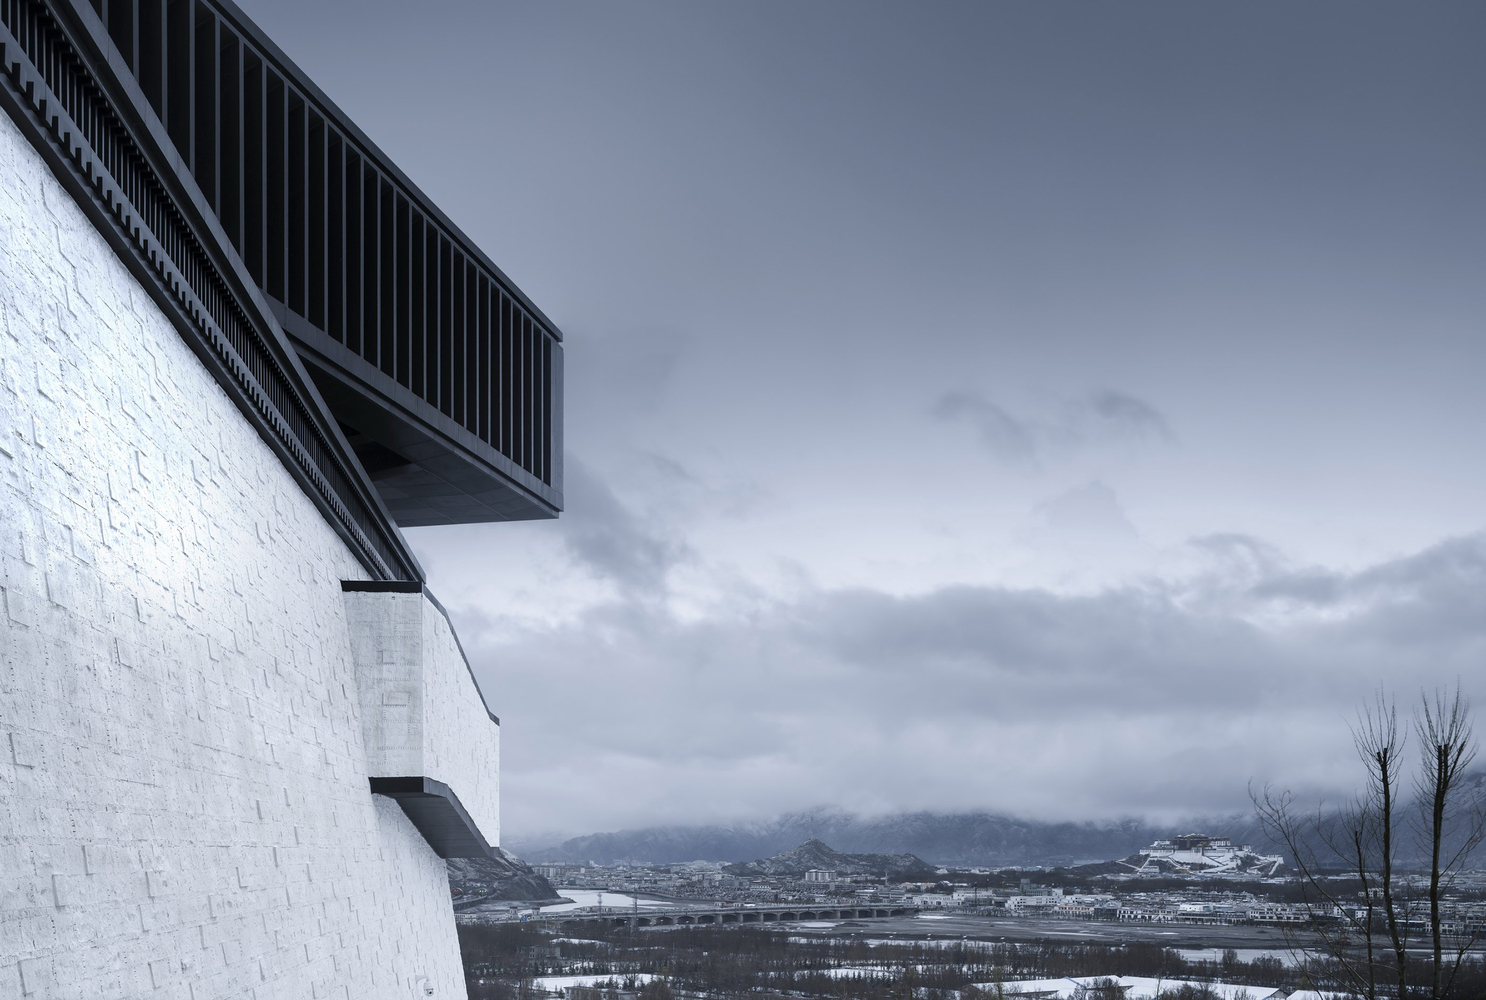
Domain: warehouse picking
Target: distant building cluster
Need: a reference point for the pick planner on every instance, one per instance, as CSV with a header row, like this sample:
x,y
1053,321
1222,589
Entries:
x,y
1193,904
1229,908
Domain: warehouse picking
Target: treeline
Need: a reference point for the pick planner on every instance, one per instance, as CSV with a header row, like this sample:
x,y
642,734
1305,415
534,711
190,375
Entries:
x,y
740,962
748,961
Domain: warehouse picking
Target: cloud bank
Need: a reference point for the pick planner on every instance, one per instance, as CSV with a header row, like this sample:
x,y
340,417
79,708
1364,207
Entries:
x,y
1101,418
1161,698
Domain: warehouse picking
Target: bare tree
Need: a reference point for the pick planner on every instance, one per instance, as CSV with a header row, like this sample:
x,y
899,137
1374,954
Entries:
x,y
1380,745
1359,836
1369,943
1447,748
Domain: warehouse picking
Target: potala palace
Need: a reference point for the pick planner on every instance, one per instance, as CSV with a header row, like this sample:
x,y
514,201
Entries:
x,y
1199,854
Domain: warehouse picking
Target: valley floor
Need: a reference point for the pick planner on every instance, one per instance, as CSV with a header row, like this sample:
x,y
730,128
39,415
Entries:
x,y
1026,929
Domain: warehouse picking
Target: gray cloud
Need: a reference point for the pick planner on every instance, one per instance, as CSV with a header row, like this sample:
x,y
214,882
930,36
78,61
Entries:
x,y
615,379
1124,416
832,232
1133,699
1006,437
1089,511
604,535
1101,418
1416,603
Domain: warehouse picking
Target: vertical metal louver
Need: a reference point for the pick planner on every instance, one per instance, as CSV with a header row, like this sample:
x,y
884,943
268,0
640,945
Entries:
x,y
359,264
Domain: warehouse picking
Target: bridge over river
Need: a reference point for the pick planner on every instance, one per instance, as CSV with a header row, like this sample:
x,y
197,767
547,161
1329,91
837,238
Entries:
x,y
653,916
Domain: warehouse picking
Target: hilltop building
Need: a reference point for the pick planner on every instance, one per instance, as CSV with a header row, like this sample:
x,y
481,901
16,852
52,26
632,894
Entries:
x,y
1193,843
1193,854
239,352
1200,853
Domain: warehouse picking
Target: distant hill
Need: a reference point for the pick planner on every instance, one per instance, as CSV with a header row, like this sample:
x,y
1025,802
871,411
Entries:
x,y
506,877
984,838
813,854
963,839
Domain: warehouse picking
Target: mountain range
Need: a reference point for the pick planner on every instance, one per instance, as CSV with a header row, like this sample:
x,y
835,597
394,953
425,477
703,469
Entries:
x,y
957,839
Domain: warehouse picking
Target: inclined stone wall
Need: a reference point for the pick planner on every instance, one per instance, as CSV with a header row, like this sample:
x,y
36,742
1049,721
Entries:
x,y
184,809
454,705
419,702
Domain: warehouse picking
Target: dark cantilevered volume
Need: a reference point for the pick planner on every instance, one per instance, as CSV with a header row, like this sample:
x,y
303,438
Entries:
x,y
442,371
253,203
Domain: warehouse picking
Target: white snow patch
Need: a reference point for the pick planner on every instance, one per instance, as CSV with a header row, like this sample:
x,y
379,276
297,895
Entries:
x,y
552,984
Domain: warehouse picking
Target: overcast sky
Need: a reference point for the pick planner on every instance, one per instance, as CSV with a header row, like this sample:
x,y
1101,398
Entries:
x,y
1069,410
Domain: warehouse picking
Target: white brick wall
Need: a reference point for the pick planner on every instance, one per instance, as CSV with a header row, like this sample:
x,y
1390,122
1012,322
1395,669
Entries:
x,y
454,708
184,809
421,711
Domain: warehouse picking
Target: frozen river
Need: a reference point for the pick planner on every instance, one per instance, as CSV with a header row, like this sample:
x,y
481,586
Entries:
x,y
592,897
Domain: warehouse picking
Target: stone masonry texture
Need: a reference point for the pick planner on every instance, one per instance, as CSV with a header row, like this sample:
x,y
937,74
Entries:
x,y
184,807
419,704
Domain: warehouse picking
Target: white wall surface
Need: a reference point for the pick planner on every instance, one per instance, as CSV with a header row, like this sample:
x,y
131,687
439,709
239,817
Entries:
x,y
422,712
184,810
454,710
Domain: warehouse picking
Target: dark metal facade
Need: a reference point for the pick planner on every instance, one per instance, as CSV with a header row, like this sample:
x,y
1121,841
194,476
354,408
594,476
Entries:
x,y
438,814
256,207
